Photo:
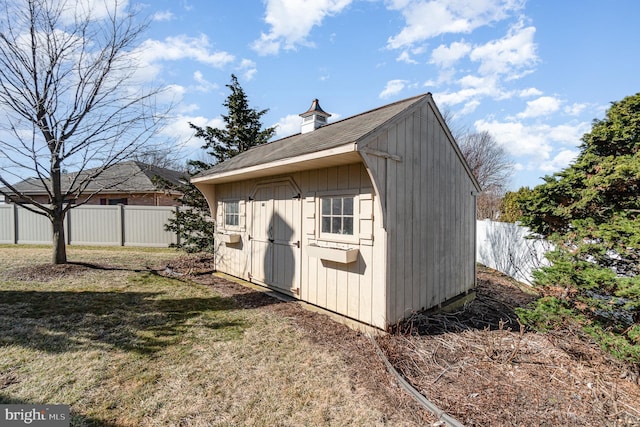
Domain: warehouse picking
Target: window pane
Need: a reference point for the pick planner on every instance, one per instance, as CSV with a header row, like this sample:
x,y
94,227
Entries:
x,y
347,226
326,224
326,206
337,206
348,206
336,225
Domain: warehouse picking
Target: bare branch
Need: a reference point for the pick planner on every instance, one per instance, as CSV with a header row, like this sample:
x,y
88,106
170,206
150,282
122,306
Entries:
x,y
71,100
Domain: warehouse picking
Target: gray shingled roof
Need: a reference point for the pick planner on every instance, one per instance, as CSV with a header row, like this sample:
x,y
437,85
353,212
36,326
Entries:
x,y
125,177
333,135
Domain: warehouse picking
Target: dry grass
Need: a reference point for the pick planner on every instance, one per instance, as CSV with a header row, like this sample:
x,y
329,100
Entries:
x,y
125,346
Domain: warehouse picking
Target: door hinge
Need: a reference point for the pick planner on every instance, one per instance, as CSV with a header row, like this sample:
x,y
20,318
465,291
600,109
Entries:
x,y
298,244
249,236
297,196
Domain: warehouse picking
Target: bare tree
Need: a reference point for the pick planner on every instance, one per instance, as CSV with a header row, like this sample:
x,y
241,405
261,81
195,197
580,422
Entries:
x,y
490,164
70,99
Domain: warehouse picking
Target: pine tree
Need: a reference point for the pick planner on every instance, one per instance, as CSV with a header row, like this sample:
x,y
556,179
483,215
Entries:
x,y
243,130
591,211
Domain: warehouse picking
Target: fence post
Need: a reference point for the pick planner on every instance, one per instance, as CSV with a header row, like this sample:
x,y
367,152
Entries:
x,y
68,233
14,232
177,211
122,225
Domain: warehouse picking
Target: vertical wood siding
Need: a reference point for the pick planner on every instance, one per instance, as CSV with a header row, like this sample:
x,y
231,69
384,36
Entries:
x,y
355,290
430,212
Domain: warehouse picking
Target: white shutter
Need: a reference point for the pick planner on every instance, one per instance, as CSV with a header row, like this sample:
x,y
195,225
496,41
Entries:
x,y
310,215
220,215
366,216
242,214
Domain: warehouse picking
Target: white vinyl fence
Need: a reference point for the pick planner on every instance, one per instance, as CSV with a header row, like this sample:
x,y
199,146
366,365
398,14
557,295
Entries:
x,y
511,249
91,225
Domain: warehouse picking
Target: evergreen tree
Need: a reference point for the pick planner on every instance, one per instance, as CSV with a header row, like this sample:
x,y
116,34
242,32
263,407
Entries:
x,y
590,210
243,130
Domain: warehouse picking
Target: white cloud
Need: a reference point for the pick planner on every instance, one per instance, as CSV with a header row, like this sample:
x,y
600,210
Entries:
x,y
178,129
519,139
575,109
446,56
203,85
559,161
288,125
291,22
429,18
540,145
473,88
513,55
248,69
405,57
171,94
542,106
97,9
393,87
152,53
470,107
526,93
165,15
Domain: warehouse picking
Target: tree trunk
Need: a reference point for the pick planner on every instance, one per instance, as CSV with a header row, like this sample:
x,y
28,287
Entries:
x,y
57,205
59,244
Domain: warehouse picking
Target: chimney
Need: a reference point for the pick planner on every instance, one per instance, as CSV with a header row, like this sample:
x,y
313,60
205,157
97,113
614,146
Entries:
x,y
314,117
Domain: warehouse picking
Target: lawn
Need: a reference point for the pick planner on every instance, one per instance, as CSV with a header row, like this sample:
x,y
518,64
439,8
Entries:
x,y
126,346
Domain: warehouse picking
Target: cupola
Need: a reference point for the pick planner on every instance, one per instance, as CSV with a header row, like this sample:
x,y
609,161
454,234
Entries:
x,y
314,117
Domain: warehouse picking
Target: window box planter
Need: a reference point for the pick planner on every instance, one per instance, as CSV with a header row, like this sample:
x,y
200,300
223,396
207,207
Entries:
x,y
343,256
228,238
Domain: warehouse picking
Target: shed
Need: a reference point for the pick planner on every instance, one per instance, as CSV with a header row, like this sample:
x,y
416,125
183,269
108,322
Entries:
x,y
371,217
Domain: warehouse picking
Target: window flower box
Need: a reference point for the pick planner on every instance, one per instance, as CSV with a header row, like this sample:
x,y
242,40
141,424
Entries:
x,y
228,238
343,256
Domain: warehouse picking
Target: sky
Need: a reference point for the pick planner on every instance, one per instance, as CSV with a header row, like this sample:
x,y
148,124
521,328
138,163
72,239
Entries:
x,y
532,73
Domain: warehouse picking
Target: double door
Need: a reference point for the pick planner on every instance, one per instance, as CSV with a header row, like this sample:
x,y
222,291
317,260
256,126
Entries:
x,y
275,236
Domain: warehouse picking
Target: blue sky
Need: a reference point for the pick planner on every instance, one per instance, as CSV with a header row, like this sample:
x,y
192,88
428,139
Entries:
x,y
532,73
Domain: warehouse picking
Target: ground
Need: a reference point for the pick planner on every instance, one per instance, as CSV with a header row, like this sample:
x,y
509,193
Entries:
x,y
480,365
477,364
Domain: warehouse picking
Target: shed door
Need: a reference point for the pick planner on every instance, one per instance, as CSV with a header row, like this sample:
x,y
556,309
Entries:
x,y
275,236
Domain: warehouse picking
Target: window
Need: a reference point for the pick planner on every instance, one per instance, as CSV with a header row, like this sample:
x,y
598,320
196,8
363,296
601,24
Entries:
x,y
337,215
232,213
113,202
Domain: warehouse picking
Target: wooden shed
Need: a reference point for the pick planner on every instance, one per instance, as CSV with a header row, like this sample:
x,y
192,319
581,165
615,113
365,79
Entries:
x,y
371,217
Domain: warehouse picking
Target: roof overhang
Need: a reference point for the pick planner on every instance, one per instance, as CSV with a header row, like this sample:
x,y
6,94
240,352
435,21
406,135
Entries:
x,y
342,155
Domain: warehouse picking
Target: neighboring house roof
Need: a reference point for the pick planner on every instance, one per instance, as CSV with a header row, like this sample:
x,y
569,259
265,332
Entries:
x,y
333,135
126,177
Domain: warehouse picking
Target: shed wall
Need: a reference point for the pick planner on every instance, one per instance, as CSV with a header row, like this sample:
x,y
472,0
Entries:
x,y
356,289
430,212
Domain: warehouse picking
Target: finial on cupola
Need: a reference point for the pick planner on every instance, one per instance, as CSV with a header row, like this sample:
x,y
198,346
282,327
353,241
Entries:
x,y
314,117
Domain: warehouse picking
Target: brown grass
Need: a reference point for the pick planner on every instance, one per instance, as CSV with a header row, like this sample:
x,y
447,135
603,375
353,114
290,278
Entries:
x,y
126,346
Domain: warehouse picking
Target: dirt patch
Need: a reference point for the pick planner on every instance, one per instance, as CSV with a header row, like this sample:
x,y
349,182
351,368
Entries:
x,y
45,272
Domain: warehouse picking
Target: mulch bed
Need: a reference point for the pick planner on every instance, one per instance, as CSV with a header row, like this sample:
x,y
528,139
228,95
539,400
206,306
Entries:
x,y
45,272
484,368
